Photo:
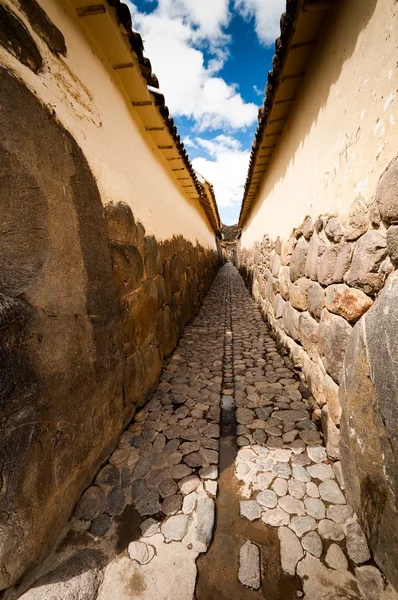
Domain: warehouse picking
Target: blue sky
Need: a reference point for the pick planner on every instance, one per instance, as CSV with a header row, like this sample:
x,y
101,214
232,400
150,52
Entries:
x,y
212,59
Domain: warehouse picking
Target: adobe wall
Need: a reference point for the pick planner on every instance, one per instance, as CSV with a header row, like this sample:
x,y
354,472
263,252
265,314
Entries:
x,y
104,260
319,252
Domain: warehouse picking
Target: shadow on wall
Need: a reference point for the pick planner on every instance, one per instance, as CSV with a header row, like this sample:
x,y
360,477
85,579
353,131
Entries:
x,y
84,325
339,40
329,293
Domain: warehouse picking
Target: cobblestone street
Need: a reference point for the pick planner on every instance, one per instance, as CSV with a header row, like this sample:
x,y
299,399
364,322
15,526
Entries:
x,y
280,525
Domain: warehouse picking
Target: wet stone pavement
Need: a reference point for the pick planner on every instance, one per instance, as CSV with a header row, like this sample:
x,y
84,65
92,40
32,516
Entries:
x,y
178,514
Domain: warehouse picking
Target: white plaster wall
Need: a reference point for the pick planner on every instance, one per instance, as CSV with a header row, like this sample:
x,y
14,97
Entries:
x,y
343,129
89,101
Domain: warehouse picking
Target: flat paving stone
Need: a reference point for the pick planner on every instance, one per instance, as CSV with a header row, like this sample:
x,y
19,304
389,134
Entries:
x,y
249,566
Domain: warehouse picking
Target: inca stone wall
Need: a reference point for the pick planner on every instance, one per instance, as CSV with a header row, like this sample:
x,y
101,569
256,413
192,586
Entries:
x,y
89,307
329,293
160,285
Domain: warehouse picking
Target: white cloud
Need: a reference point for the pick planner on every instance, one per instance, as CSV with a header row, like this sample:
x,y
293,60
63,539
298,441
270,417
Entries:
x,y
267,14
258,91
226,170
189,142
175,36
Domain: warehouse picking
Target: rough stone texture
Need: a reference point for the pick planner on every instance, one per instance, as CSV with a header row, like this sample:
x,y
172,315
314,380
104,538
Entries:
x,y
298,260
316,299
284,282
357,546
249,566
46,468
175,528
331,392
370,582
79,577
387,193
308,228
392,243
358,220
291,550
369,424
366,271
290,321
334,333
298,293
308,332
334,229
335,558
76,361
347,302
205,515
334,263
141,552
316,248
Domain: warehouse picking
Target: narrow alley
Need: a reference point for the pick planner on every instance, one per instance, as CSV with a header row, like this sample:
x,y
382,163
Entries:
x,y
164,518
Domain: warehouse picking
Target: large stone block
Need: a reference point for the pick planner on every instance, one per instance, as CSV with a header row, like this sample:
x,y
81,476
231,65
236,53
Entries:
x,y
387,193
392,243
120,224
316,299
177,273
331,434
278,305
334,230
308,332
61,400
284,282
358,220
334,263
275,263
331,391
308,228
369,426
316,248
334,333
366,271
314,372
142,373
298,260
139,314
298,293
286,251
290,321
170,334
152,262
128,267
347,302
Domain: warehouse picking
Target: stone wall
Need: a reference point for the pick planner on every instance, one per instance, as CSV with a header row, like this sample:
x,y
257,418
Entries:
x,y
329,294
89,307
160,285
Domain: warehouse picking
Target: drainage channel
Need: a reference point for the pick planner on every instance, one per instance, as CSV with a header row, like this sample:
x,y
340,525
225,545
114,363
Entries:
x,y
218,569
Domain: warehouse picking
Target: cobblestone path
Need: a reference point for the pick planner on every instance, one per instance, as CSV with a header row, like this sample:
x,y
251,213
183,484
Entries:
x,y
281,525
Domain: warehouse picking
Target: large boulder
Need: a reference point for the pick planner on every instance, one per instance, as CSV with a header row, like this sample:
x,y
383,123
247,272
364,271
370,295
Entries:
x,y
369,425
